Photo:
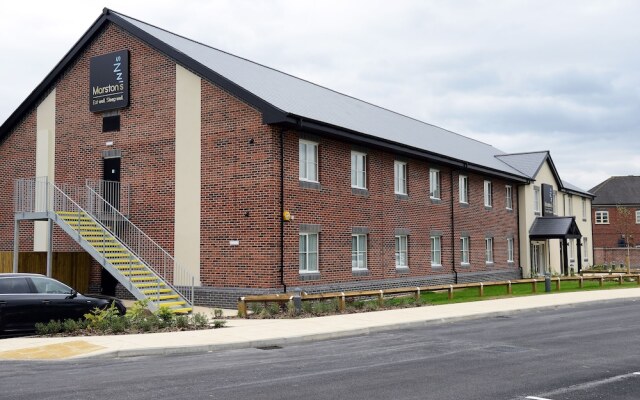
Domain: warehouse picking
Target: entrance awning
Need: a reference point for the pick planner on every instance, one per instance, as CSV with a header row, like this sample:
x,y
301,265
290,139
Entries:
x,y
554,228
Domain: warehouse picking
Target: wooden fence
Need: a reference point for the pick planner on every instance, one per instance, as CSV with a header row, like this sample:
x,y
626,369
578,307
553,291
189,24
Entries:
x,y
71,268
416,291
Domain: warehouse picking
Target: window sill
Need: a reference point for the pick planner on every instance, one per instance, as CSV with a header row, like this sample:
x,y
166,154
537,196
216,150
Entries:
x,y
488,263
464,205
310,185
436,266
360,191
360,272
309,276
402,269
488,208
435,200
465,265
402,196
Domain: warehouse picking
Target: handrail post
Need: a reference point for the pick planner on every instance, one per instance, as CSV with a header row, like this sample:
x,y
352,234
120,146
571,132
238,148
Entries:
x,y
242,308
481,290
558,284
342,304
381,298
450,292
509,289
534,286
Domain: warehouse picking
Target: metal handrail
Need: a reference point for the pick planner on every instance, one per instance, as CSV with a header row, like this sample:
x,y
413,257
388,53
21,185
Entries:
x,y
116,193
140,244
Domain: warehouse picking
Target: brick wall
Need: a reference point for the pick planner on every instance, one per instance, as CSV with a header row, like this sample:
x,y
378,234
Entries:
x,y
611,234
616,256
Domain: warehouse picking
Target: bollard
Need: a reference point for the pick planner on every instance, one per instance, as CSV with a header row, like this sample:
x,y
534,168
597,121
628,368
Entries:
x,y
509,289
297,299
342,304
242,308
534,286
547,283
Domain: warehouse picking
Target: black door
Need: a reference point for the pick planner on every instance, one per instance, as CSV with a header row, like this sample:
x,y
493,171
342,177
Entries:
x,y
111,181
111,193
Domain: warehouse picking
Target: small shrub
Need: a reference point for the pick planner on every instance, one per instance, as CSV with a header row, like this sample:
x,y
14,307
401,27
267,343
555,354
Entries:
x,y
71,325
291,309
219,323
307,307
182,321
371,306
200,320
100,319
50,328
273,309
165,316
218,313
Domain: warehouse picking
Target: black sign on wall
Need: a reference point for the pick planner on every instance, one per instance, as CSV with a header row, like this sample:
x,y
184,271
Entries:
x,y
109,81
547,200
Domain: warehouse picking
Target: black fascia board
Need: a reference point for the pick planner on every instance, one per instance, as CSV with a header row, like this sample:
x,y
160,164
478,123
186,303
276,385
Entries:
x,y
329,130
268,110
51,77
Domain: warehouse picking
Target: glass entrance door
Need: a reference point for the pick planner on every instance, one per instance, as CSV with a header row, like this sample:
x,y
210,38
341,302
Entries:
x,y
537,259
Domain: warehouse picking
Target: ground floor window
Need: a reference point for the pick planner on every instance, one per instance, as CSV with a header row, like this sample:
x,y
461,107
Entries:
x,y
308,252
510,250
359,251
402,251
464,250
436,251
488,245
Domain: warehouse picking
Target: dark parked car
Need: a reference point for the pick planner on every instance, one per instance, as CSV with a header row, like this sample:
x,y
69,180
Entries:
x,y
26,299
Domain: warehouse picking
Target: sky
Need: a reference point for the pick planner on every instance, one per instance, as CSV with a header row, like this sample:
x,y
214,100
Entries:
x,y
521,75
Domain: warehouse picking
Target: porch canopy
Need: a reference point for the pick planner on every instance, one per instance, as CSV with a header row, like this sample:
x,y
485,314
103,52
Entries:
x,y
562,228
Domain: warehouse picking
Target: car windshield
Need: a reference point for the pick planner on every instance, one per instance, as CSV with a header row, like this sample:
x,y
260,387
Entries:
x,y
46,285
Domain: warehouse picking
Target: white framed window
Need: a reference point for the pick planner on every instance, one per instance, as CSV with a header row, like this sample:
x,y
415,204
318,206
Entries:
x,y
488,250
584,209
536,199
434,183
436,251
585,249
509,197
464,250
638,217
488,194
569,205
308,160
602,217
571,243
555,202
358,251
358,170
510,254
400,177
402,248
308,252
463,189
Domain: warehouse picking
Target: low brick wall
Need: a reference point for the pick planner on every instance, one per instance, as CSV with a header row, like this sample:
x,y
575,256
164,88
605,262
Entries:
x,y
616,256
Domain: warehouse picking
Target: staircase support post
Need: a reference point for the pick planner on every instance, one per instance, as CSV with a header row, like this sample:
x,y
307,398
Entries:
x,y
16,246
49,248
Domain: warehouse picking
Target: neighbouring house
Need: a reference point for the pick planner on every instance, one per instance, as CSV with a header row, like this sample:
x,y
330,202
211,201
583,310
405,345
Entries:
x,y
616,220
554,218
191,175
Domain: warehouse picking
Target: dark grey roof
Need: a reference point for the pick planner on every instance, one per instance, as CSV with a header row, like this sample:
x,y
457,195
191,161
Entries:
x,y
618,190
554,228
527,163
285,99
571,188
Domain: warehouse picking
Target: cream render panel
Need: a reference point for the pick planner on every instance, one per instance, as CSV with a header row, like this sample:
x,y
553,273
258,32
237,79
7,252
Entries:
x,y
187,170
45,158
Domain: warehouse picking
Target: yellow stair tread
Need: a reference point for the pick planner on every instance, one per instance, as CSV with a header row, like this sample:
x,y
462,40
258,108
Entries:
x,y
143,278
153,291
129,273
148,285
170,303
183,310
163,297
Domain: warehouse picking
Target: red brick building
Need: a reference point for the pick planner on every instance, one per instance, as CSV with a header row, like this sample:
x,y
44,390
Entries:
x,y
616,220
252,179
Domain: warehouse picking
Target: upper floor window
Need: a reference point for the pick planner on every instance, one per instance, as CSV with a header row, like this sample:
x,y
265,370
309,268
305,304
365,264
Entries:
x,y
463,189
308,160
436,251
602,217
400,177
358,251
488,194
555,202
434,183
568,205
509,197
638,217
584,209
358,170
536,199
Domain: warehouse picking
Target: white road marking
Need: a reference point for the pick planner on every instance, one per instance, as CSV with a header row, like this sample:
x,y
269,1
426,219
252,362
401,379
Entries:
x,y
536,398
636,373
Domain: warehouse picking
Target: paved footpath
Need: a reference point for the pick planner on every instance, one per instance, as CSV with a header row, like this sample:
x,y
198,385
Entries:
x,y
244,333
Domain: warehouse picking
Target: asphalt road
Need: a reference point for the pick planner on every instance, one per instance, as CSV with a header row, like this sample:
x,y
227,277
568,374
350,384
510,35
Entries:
x,y
577,352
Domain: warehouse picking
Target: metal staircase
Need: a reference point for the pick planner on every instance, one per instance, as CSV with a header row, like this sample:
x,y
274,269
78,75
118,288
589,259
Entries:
x,y
130,256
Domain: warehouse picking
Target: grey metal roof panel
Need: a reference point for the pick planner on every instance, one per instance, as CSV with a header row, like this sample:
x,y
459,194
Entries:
x,y
527,163
618,190
305,99
573,188
554,227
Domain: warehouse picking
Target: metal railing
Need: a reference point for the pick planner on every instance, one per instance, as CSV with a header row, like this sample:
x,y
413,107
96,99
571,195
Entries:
x,y
140,244
115,193
36,195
